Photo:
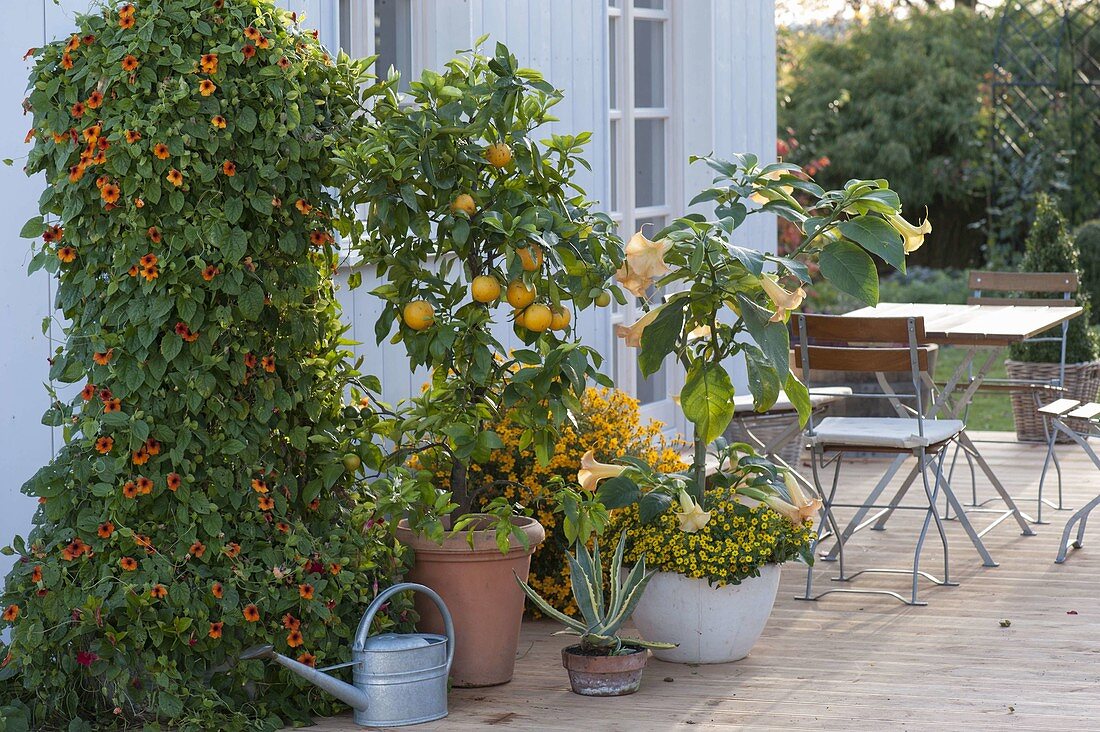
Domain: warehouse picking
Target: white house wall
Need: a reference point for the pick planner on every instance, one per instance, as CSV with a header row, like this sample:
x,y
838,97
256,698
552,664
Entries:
x,y
724,71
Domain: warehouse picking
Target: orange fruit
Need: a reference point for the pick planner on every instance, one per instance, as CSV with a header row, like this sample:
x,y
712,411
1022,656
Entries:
x,y
537,317
520,295
485,288
529,262
463,202
603,299
418,315
517,316
560,318
498,154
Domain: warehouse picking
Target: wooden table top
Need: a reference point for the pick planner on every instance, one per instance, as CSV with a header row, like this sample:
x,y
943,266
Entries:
x,y
976,325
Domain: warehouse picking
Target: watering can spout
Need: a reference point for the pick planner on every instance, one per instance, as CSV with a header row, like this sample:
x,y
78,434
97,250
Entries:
x,y
350,695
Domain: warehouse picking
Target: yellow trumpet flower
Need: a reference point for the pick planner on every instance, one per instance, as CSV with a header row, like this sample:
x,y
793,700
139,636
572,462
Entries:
x,y
593,471
913,235
801,507
632,334
784,301
691,514
764,195
645,263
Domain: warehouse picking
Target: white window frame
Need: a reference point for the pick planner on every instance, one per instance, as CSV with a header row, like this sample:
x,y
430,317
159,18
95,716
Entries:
x,y
621,208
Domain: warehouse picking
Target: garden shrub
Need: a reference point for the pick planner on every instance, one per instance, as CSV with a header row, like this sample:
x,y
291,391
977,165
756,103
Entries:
x,y
1050,248
608,423
200,503
1087,240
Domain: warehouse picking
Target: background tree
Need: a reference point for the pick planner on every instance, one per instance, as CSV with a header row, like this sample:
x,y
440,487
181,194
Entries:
x,y
200,502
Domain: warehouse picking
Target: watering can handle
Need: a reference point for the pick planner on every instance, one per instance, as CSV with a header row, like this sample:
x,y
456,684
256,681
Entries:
x,y
364,625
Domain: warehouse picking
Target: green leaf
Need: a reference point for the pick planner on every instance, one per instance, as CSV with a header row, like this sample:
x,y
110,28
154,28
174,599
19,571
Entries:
x,y
772,338
251,302
170,347
233,447
234,208
652,505
246,120
876,236
800,397
764,382
618,492
33,228
707,400
659,337
851,269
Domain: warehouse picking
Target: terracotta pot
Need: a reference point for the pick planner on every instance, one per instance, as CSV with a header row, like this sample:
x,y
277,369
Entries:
x,y
478,585
603,675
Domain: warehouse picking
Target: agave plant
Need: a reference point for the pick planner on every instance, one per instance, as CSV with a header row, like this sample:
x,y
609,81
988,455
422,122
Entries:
x,y
603,616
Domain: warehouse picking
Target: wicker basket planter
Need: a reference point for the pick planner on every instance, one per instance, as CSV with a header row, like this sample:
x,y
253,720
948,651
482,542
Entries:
x,y
1082,384
766,427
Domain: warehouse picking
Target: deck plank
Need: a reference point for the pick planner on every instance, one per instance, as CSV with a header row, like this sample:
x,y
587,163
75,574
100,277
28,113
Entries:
x,y
852,662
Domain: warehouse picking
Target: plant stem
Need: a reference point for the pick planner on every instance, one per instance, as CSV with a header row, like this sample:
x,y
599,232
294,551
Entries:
x,y
699,462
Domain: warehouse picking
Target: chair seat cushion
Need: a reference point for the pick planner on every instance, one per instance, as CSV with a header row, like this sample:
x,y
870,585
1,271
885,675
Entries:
x,y
818,398
883,432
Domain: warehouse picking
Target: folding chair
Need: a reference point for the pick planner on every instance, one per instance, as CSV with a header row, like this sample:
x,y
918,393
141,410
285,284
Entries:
x,y
1021,288
1057,413
856,344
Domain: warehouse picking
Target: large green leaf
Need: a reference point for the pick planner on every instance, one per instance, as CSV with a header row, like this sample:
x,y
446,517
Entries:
x,y
707,400
800,397
772,338
659,337
876,236
618,492
764,382
851,269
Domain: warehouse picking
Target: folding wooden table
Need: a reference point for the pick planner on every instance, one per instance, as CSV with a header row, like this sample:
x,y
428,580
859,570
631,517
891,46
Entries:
x,y
977,328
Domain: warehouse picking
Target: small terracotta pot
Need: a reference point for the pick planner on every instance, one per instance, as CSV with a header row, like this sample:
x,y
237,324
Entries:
x,y
603,675
478,585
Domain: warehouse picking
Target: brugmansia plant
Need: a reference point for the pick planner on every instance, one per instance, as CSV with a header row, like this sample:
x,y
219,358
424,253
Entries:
x,y
729,302
472,223
200,503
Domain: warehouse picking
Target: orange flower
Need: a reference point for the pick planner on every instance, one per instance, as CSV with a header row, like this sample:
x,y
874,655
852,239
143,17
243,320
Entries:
x,y
159,591
91,134
60,137
87,392
303,207
218,121
197,549
126,22
174,481
315,504
150,273
263,43
126,10
36,573
259,486
305,592
249,361
276,202
139,203
207,87
11,612
229,168
103,357
294,639
219,4
130,63
175,177
282,527
99,159
217,590
284,63
76,173
334,569
105,530
133,271
249,51
291,623
266,503
149,259
141,457
209,63
78,110
216,630
268,362
144,541
109,193
95,100
66,254
128,563
154,236
145,485
232,549
161,151
74,549
130,490
252,34
112,405
66,61
308,659
210,272
132,136
102,181
88,39
251,613
104,444
320,238
152,446
73,43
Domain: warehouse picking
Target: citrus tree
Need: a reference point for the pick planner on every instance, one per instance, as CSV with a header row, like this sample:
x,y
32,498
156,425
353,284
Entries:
x,y
470,222
200,503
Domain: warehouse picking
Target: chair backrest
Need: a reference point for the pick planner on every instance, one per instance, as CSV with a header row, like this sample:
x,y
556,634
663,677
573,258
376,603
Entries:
x,y
1056,283
862,344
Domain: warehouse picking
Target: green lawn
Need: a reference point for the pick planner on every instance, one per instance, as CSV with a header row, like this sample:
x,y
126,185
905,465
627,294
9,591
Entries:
x,y
988,411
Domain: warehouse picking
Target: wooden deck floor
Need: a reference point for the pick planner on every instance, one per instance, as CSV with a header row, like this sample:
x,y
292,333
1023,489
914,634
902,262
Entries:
x,y
859,662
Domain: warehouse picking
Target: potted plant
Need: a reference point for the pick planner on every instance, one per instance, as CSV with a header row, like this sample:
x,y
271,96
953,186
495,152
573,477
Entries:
x,y
200,503
721,297
472,224
602,663
1050,248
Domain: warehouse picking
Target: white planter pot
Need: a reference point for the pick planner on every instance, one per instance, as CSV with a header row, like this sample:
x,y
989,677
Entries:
x,y
711,625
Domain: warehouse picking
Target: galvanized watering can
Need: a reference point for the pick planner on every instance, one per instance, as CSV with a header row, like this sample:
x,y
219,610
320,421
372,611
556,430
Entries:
x,y
398,679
